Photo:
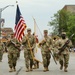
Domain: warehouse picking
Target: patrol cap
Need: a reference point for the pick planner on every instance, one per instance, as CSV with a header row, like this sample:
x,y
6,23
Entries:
x,y
46,31
28,29
63,33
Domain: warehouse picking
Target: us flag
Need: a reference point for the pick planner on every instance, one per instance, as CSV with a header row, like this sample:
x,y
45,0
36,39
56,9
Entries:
x,y
20,25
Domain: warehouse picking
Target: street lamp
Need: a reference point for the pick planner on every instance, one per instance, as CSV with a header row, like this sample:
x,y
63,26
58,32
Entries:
x,y
1,9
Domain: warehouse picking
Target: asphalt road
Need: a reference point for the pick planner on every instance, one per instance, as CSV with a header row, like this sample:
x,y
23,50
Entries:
x,y
53,68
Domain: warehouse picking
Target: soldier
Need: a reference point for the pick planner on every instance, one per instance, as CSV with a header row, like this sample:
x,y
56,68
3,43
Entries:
x,y
64,56
55,48
12,53
1,50
18,44
46,45
29,45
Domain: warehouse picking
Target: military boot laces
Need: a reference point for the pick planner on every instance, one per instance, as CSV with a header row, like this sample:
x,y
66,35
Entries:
x,y
11,70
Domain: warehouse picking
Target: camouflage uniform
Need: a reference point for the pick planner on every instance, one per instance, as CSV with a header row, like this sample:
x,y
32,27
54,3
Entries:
x,y
46,44
1,51
55,48
64,56
12,54
27,53
18,45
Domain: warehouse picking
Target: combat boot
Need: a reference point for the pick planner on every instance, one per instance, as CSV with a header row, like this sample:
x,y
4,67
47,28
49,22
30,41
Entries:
x,y
61,67
27,69
61,64
14,69
44,69
65,69
37,64
31,69
47,69
10,70
34,67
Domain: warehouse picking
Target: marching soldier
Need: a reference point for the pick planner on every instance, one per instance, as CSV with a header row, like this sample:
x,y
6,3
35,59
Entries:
x,y
1,50
46,45
64,56
55,48
18,44
12,53
29,45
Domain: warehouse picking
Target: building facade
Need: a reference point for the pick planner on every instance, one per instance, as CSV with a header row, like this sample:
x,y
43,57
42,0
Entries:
x,y
70,8
5,33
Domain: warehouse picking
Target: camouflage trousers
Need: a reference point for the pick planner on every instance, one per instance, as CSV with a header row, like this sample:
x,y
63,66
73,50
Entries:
x,y
64,60
1,55
28,59
46,59
18,54
12,59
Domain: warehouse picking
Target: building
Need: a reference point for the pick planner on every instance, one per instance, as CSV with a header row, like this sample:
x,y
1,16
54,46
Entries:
x,y
70,8
5,33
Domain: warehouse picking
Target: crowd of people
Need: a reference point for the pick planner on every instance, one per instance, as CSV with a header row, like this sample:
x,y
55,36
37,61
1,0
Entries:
x,y
46,45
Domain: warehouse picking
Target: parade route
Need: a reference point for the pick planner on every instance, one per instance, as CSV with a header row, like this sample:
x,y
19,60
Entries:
x,y
53,68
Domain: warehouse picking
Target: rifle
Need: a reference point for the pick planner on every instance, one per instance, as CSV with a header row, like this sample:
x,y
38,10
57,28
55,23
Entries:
x,y
50,52
65,45
18,71
53,57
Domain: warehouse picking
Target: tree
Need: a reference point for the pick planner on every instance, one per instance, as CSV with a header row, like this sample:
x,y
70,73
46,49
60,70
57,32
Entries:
x,y
55,23
63,21
71,26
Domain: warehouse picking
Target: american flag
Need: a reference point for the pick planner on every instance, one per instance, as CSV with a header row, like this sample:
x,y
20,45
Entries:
x,y
20,25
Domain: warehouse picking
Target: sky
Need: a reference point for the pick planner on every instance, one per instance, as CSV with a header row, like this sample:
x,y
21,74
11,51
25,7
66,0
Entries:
x,y
41,10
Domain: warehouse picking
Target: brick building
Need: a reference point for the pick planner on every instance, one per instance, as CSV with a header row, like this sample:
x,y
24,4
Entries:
x,y
5,32
70,8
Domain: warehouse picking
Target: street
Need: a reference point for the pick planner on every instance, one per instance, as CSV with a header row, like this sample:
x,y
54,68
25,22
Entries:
x,y
53,68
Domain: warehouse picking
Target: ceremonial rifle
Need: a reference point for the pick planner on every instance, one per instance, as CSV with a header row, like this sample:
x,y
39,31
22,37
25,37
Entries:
x,y
65,45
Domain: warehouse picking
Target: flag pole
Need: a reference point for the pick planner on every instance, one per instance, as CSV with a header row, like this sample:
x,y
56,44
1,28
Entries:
x,y
31,51
34,35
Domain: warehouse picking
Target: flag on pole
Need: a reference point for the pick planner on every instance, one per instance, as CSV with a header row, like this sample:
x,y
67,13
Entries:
x,y
38,35
20,25
37,31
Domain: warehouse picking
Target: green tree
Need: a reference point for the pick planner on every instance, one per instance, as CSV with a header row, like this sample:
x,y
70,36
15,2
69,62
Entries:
x,y
71,26
63,21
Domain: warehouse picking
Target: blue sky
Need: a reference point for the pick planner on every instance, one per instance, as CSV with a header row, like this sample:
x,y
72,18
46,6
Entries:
x,y
41,10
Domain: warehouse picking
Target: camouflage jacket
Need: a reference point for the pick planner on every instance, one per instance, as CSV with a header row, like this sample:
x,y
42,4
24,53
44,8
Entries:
x,y
61,42
45,45
32,42
11,45
1,47
55,46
